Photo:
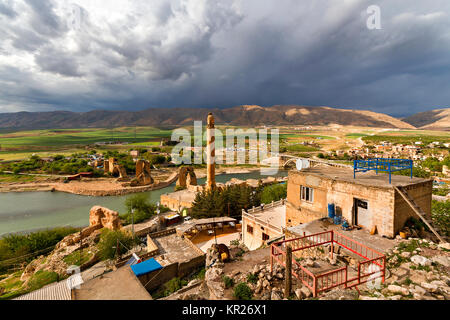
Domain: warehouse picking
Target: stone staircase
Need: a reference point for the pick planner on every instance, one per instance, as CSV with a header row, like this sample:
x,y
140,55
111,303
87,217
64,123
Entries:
x,y
419,212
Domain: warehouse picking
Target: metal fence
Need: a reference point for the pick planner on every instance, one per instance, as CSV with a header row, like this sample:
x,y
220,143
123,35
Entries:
x,y
372,268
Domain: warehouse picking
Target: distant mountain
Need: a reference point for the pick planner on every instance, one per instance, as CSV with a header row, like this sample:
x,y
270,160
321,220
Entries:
x,y
438,119
240,116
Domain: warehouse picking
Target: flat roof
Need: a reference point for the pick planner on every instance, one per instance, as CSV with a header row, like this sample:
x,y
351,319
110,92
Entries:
x,y
275,216
121,284
195,222
380,180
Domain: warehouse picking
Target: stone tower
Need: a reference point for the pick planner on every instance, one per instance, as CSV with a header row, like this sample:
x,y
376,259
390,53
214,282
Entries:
x,y
211,153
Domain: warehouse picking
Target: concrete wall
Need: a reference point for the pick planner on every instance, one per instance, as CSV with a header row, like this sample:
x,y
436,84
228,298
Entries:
x,y
157,278
421,194
254,241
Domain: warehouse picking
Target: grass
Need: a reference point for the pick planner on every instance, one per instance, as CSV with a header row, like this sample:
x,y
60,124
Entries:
x,y
74,257
8,178
355,135
42,278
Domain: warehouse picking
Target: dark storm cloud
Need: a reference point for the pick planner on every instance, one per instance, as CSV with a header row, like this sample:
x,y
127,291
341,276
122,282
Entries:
x,y
172,53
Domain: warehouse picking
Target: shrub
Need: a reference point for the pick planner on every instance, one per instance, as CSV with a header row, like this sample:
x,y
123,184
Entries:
x,y
108,243
440,213
243,292
228,282
143,209
17,245
252,278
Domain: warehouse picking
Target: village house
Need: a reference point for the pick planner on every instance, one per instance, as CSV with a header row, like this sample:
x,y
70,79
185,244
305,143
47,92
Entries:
x,y
261,225
368,200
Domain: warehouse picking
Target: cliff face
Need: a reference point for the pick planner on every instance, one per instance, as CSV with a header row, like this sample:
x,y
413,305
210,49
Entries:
x,y
239,116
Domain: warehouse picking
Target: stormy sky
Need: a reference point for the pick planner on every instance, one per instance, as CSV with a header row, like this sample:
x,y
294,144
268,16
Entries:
x,y
82,55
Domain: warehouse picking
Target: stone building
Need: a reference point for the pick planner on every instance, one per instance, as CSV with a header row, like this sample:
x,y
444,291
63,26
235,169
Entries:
x,y
367,200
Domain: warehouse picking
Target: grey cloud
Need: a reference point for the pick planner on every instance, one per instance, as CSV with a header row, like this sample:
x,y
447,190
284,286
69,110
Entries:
x,y
171,53
6,9
44,20
58,62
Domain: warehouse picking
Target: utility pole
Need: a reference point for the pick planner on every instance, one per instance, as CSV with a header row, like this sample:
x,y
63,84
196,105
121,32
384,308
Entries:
x,y
81,245
288,270
132,221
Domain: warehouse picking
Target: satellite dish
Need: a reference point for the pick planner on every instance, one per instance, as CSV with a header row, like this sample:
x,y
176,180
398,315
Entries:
x,y
299,164
305,164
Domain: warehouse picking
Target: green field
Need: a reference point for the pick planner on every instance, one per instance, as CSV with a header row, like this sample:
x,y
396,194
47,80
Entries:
x,y
71,137
355,135
407,139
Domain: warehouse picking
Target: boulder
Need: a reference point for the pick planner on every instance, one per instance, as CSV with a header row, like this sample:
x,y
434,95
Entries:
x,y
398,289
306,292
420,260
276,295
400,273
406,254
443,246
429,287
299,294
419,290
442,260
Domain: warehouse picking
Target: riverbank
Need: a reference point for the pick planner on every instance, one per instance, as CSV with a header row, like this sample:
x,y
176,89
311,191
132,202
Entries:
x,y
101,187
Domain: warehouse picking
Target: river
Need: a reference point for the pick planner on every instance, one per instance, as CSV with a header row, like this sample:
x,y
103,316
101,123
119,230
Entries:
x,y
27,211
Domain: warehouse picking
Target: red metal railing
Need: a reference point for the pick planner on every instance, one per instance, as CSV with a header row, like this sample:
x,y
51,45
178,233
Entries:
x,y
374,266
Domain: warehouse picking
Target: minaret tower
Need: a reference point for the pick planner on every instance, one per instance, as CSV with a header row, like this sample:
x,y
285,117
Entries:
x,y
210,153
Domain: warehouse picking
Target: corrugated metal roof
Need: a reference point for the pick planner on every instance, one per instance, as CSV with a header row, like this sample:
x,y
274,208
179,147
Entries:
x,y
55,291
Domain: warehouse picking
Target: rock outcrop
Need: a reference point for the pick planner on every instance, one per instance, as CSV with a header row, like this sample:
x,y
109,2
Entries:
x,y
214,272
101,217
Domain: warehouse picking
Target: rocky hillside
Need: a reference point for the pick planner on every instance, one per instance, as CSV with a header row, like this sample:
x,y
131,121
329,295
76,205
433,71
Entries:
x,y
239,116
438,119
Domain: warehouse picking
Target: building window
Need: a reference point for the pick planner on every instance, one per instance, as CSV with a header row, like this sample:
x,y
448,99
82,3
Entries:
x,y
250,229
265,237
306,194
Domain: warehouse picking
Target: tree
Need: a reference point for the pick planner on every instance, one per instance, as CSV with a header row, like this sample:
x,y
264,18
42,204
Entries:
x,y
109,239
274,193
223,202
143,209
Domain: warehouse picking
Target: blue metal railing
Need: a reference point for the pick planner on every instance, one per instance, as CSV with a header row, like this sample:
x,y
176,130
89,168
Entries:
x,y
382,165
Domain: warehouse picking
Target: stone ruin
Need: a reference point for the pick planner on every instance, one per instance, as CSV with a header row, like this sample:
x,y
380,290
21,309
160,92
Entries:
x,y
104,217
115,169
186,177
143,174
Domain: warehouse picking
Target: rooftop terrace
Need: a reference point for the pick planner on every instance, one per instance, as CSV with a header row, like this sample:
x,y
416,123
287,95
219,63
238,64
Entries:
x,y
380,180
